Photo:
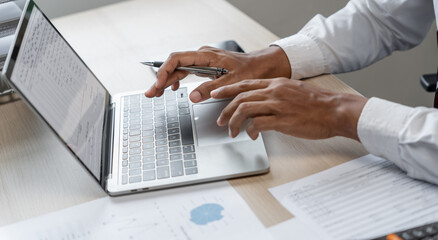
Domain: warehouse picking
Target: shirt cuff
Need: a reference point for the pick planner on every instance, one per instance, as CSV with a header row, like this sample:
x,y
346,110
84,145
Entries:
x,y
305,57
379,126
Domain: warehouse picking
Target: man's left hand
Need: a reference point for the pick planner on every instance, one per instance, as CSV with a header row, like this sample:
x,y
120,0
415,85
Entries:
x,y
289,106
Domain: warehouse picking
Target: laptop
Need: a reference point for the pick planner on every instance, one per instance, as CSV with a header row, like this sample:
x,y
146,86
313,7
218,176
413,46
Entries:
x,y
127,142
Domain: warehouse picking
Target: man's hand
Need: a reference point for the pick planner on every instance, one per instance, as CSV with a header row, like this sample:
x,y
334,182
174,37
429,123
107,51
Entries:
x,y
267,63
289,106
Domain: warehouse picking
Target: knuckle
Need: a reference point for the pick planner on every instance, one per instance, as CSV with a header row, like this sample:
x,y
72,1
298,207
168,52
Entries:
x,y
243,107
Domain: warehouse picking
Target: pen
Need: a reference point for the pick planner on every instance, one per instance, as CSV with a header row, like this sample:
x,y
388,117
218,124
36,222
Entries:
x,y
212,71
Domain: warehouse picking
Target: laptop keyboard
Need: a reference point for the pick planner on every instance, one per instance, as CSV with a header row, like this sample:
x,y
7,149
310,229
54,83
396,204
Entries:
x,y
157,137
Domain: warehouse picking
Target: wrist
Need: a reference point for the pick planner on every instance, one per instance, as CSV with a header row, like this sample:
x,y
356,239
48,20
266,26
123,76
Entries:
x,y
270,62
347,112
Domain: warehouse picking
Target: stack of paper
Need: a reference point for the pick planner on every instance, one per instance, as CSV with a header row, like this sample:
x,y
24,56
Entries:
x,y
360,199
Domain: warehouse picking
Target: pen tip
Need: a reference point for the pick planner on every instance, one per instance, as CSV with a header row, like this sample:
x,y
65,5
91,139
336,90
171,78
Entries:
x,y
147,63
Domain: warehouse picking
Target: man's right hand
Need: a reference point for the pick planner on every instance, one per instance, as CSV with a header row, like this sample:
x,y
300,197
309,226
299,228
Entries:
x,y
267,63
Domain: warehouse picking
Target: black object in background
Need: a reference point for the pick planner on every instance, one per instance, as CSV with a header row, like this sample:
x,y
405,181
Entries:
x,y
426,232
428,81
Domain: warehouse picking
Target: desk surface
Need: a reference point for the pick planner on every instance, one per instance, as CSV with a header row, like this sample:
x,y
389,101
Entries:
x,y
38,175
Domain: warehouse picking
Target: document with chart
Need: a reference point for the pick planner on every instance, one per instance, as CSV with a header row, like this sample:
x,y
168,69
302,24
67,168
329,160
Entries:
x,y
364,198
207,211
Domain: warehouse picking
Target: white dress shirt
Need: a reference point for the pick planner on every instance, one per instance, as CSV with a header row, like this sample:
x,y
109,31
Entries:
x,y
356,36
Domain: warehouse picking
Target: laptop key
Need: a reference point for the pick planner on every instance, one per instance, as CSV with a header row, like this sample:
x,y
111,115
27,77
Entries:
x,y
134,158
148,152
134,110
125,149
124,178
162,162
133,121
134,132
125,143
162,155
173,137
158,107
189,156
172,125
160,130
148,159
189,149
125,156
159,124
161,149
135,179
134,164
134,138
191,171
175,143
175,157
147,127
147,139
134,151
161,136
163,172
147,121
176,168
134,144
124,170
171,108
184,111
172,119
149,175
147,166
173,131
136,171
186,130
175,150
183,105
161,142
147,133
149,145
172,113
191,163
124,163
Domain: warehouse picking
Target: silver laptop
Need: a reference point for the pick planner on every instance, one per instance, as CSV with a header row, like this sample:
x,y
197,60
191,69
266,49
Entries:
x,y
128,142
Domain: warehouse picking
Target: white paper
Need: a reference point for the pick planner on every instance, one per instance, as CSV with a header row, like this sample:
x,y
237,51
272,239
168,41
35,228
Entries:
x,y
363,198
292,229
207,211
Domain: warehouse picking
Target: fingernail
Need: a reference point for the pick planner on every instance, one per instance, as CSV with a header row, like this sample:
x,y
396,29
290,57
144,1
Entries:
x,y
195,96
219,121
215,92
230,133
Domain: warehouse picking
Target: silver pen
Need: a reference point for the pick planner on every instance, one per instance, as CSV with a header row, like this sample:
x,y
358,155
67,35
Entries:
x,y
211,71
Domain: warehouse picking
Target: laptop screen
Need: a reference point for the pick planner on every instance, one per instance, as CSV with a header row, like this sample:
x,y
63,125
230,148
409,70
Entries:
x,y
60,87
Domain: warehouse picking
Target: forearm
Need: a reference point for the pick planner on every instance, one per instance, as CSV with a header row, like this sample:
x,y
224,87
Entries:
x,y
356,36
406,136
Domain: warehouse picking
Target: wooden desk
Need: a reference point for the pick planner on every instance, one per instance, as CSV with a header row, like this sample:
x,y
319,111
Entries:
x,y
38,175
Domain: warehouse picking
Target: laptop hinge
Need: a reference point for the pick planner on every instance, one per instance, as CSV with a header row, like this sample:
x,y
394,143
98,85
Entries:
x,y
108,140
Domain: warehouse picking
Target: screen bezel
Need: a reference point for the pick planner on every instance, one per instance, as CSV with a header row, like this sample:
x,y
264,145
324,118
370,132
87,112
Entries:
x,y
9,66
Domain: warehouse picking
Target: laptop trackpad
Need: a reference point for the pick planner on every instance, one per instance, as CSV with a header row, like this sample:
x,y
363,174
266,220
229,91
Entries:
x,y
207,130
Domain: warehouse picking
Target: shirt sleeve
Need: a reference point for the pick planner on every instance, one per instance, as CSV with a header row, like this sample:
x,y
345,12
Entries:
x,y
406,136
361,33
